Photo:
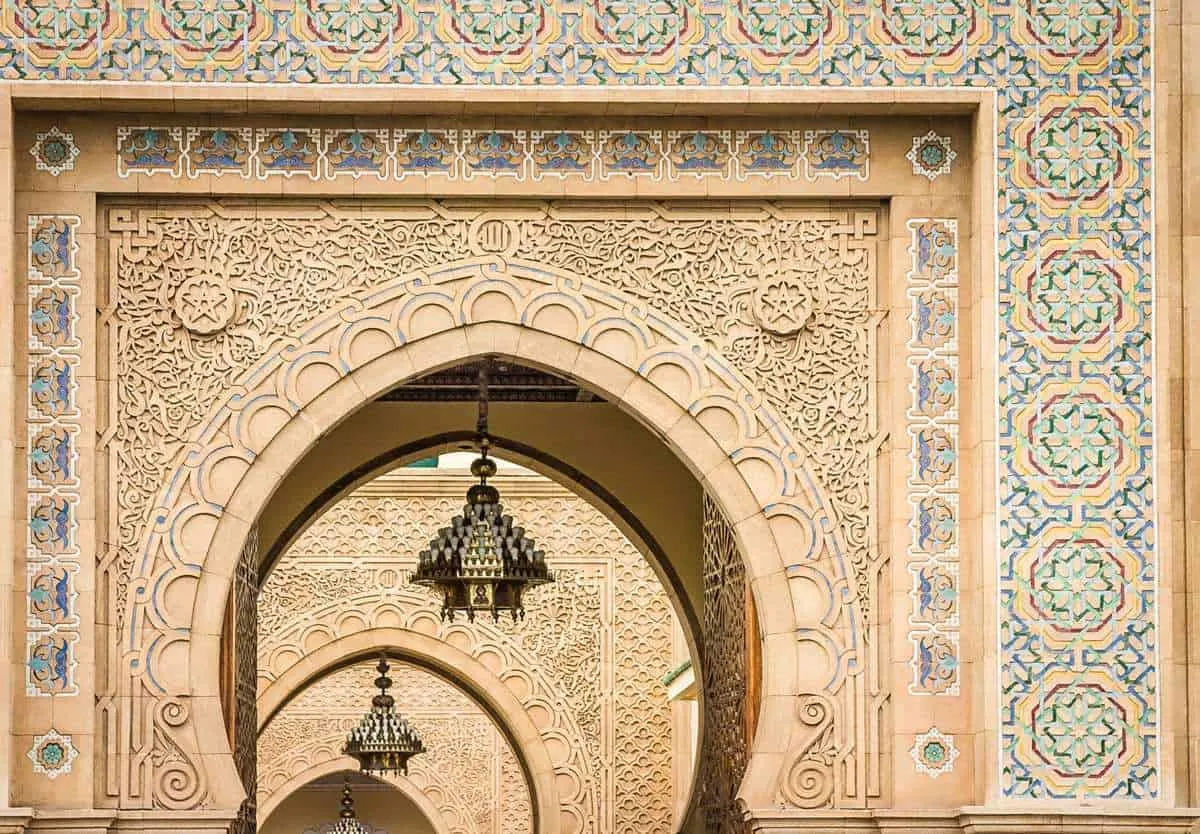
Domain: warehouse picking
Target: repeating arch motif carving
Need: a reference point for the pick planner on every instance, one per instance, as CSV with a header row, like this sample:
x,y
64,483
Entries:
x,y
557,318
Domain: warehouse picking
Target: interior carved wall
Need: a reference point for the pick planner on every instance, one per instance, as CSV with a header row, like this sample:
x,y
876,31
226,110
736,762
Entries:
x,y
469,772
200,295
591,653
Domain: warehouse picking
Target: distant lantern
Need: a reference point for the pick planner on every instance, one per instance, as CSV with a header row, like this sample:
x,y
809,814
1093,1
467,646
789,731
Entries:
x,y
347,820
383,742
482,561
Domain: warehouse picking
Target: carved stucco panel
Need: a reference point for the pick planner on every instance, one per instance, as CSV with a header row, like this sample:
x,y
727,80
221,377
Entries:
x,y
736,278
149,252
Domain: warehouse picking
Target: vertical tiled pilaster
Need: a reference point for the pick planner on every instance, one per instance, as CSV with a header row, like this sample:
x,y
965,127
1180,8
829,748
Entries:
x,y
934,453
54,598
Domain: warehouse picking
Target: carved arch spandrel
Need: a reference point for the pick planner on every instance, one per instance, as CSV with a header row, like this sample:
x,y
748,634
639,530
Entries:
x,y
670,379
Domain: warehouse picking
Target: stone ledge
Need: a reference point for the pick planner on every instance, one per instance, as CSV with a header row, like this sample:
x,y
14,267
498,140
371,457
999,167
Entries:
x,y
978,820
111,821
14,820
68,821
167,822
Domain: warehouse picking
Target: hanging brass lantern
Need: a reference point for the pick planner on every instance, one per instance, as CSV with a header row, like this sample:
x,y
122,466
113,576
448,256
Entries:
x,y
482,561
383,741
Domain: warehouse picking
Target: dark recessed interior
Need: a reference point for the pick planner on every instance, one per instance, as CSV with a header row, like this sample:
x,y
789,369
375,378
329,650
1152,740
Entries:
x,y
508,382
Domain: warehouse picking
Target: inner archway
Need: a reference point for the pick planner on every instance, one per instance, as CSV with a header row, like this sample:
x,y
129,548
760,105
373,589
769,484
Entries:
x,y
309,803
468,782
586,664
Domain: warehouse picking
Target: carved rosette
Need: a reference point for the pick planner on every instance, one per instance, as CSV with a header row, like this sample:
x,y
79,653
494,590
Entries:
x,y
784,303
205,304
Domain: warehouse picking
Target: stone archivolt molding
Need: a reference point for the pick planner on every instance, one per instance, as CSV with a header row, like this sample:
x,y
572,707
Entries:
x,y
687,300
463,773
587,661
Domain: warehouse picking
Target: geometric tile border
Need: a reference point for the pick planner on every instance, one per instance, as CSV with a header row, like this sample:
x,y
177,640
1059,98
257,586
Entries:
x,y
53,432
461,154
932,417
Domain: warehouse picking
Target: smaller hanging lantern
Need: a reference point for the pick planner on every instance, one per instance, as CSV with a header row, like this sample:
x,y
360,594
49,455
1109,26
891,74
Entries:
x,y
383,742
482,561
347,820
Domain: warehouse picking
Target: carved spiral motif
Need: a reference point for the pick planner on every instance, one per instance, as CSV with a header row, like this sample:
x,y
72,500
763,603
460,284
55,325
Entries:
x,y
809,780
171,712
178,785
809,784
813,712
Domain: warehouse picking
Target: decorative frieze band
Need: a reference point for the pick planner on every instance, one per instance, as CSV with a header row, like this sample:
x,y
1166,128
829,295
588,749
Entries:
x,y
52,432
524,155
932,418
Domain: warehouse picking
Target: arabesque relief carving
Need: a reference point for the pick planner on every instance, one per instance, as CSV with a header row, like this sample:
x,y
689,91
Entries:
x,y
669,291
348,572
469,772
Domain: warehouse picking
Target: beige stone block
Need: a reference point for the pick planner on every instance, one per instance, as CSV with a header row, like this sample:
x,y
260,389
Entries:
x,y
31,714
694,446
380,375
436,351
602,375
651,406
556,353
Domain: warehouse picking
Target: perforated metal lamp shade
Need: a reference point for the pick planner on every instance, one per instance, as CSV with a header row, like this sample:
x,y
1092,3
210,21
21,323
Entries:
x,y
482,561
383,741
